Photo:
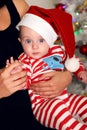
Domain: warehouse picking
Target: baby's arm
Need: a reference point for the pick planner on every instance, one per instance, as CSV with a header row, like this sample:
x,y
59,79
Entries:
x,y
81,73
83,76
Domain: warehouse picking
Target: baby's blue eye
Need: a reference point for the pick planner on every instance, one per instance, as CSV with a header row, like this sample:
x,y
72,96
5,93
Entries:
x,y
28,41
41,40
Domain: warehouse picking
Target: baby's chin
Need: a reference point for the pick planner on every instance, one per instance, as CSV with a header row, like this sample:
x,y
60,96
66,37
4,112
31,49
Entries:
x,y
38,57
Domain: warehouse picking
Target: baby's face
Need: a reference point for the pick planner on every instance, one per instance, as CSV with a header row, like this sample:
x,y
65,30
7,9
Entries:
x,y
34,45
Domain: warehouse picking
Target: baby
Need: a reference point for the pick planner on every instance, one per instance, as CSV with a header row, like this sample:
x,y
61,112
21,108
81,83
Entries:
x,y
39,29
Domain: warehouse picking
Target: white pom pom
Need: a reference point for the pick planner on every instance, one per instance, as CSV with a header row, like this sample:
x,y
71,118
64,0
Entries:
x,y
72,64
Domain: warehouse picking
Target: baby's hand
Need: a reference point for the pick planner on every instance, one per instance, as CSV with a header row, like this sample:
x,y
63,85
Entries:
x,y
83,76
16,69
11,61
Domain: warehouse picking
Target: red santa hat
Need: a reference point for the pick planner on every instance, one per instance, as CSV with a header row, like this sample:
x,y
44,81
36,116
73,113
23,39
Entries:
x,y
50,23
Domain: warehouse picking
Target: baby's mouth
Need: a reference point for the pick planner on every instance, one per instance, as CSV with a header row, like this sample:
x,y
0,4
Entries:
x,y
35,53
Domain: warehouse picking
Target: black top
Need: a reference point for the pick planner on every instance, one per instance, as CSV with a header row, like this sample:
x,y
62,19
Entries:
x,y
15,110
9,44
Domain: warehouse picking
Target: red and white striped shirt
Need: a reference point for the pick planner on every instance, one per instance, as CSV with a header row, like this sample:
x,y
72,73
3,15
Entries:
x,y
36,67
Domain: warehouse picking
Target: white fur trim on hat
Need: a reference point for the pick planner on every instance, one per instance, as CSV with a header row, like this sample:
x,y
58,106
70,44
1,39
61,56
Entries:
x,y
72,64
39,25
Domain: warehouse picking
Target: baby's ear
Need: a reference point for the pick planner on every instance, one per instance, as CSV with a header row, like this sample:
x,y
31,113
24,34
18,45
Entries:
x,y
19,39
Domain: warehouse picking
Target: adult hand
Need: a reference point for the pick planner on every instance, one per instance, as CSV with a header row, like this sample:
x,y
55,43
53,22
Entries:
x,y
10,83
53,87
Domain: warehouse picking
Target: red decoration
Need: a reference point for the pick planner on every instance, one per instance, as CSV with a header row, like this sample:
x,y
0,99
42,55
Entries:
x,y
86,10
61,6
83,50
